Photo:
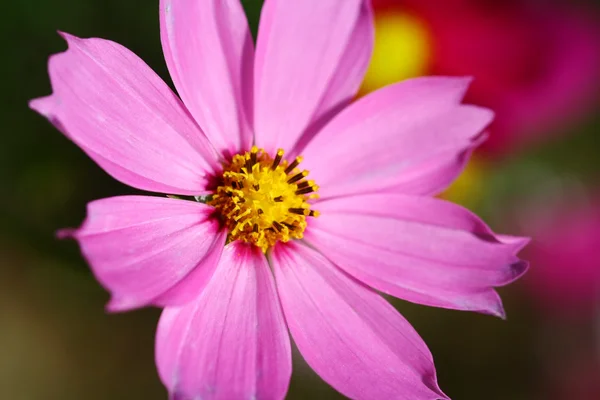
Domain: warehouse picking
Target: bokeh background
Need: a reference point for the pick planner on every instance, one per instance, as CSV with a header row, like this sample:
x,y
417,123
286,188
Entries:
x,y
537,63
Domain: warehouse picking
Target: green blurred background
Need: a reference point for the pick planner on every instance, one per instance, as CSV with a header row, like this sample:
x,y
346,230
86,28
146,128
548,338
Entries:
x,y
56,341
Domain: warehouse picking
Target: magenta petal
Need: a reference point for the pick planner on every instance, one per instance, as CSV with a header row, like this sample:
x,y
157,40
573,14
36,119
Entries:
x,y
301,47
232,342
210,55
420,249
353,64
141,247
347,78
353,338
436,175
126,118
407,130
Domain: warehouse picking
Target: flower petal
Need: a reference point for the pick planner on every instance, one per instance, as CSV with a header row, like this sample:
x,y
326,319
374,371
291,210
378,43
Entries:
x,y
141,247
210,53
420,249
353,338
126,118
393,135
347,78
302,46
232,342
437,174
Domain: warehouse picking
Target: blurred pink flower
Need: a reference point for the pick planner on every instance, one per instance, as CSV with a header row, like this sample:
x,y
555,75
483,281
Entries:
x,y
227,269
536,64
566,252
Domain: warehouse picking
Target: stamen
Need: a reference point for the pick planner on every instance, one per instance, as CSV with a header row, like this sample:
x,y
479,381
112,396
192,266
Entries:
x,y
259,202
307,190
277,226
253,154
298,176
299,211
293,165
277,159
304,184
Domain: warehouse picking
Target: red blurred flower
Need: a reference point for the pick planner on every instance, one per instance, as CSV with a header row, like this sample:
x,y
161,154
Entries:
x,y
536,65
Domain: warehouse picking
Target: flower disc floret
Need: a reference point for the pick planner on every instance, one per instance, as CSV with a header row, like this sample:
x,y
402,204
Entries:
x,y
263,200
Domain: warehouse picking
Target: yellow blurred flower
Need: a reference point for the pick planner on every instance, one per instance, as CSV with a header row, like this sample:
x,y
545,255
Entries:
x,y
402,50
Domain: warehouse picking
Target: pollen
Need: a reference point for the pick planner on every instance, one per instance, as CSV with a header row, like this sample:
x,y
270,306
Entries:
x,y
263,199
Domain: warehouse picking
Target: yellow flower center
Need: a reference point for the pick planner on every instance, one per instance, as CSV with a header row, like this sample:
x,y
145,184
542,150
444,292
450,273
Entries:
x,y
403,49
263,200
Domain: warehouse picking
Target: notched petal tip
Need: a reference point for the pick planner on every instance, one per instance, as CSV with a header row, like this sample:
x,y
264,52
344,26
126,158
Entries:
x,y
119,305
486,301
500,313
440,394
67,36
43,105
462,83
517,242
495,308
479,139
518,269
484,115
457,84
66,233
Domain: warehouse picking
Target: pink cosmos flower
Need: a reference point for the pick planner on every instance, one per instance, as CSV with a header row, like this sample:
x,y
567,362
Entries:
x,y
253,258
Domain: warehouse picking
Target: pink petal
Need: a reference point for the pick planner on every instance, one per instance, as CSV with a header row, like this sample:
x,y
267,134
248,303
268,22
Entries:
x,y
436,175
420,249
232,342
302,47
353,338
141,247
347,78
126,118
393,134
210,54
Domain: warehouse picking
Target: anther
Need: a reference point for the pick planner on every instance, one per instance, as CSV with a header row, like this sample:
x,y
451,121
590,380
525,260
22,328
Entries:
x,y
253,153
278,199
307,190
313,213
304,184
277,159
298,176
293,165
277,226
299,211
289,226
